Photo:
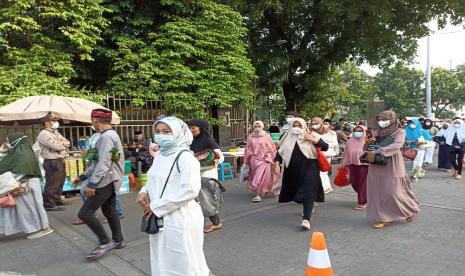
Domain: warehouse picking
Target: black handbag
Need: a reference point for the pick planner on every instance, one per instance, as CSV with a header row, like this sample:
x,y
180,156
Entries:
x,y
378,160
153,224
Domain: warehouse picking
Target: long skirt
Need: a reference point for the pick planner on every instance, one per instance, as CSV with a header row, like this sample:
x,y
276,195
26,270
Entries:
x,y
444,158
325,181
261,176
358,180
28,215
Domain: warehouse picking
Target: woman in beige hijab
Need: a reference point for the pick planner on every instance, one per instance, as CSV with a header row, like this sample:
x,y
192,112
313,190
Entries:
x,y
301,177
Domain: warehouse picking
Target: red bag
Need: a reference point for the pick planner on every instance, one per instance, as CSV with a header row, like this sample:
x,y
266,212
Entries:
x,y
7,201
325,166
342,177
409,153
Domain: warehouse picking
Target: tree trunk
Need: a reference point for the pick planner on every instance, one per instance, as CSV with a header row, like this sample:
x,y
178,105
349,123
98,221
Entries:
x,y
293,97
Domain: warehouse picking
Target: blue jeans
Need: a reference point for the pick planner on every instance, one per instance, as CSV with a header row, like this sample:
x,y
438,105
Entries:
x,y
119,204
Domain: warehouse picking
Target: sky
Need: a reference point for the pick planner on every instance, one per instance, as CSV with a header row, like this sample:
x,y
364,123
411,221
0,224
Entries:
x,y
447,47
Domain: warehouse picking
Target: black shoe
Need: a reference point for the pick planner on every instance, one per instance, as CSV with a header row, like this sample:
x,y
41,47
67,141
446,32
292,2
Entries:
x,y
55,208
120,245
62,203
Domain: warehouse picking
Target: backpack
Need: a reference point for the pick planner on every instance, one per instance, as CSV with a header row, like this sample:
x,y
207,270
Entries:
x,y
210,196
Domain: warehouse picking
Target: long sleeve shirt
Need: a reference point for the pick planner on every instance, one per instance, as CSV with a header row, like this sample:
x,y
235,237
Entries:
x,y
52,144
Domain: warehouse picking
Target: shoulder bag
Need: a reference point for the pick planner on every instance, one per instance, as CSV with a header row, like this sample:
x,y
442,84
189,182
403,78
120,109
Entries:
x,y
153,224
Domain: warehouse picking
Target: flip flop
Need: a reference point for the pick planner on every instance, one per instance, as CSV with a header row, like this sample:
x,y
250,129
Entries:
x,y
380,225
360,208
101,251
213,228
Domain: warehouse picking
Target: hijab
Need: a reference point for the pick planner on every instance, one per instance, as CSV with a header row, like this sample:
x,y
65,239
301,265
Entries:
x,y
392,128
289,140
203,141
354,148
317,120
181,133
258,132
430,124
451,131
21,158
413,134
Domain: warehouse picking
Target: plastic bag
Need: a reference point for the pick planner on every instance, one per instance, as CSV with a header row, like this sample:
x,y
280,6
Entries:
x,y
342,177
244,173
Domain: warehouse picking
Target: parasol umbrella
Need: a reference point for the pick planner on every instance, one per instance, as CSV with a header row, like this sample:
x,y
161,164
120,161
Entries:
x,y
33,109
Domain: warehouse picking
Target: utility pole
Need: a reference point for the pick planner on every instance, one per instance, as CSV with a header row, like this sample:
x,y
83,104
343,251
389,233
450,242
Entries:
x,y
428,78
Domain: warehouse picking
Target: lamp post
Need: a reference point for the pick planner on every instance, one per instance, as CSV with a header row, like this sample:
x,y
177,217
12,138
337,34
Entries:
x,y
428,78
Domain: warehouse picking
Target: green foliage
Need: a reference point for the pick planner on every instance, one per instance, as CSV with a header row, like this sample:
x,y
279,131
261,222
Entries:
x,y
42,44
190,54
402,90
447,91
320,35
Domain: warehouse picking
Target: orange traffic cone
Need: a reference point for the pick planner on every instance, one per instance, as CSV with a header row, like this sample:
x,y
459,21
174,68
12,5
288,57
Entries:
x,y
318,263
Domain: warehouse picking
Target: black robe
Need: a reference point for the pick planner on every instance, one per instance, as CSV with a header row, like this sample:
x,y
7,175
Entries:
x,y
301,179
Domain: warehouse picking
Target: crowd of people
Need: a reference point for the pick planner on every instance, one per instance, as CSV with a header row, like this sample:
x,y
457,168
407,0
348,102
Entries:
x,y
184,154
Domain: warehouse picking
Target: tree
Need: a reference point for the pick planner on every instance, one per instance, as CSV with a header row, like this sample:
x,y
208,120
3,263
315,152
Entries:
x,y
447,91
322,34
42,44
402,90
191,54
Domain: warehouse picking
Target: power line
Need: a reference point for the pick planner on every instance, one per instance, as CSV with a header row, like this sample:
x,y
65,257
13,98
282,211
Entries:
x,y
446,33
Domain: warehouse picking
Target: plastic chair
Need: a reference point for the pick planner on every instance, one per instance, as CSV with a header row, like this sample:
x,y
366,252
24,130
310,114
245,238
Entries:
x,y
226,166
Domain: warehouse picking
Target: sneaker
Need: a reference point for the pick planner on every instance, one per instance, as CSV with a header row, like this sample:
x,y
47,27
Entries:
x,y
54,209
40,233
305,224
121,244
257,199
62,203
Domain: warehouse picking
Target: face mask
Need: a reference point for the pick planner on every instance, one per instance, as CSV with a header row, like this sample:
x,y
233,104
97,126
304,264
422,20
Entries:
x,y
289,120
427,124
445,126
413,126
55,125
93,128
457,125
297,130
325,126
316,126
358,134
165,141
384,123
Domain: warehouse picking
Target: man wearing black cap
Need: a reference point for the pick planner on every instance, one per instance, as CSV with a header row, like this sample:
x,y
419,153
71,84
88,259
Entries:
x,y
53,149
139,151
104,176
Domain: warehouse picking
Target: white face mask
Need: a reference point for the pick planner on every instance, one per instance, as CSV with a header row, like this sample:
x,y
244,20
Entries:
x,y
413,126
297,130
384,123
457,125
289,120
325,126
316,126
93,128
55,125
358,134
427,124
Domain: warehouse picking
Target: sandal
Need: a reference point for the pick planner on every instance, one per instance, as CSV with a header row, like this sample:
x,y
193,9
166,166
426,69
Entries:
x,y
78,221
458,177
360,207
380,225
257,199
101,251
410,219
213,228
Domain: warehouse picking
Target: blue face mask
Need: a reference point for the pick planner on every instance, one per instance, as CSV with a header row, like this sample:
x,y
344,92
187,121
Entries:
x,y
165,141
358,134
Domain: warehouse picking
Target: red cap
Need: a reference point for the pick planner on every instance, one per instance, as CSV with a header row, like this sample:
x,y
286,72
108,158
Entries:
x,y
101,113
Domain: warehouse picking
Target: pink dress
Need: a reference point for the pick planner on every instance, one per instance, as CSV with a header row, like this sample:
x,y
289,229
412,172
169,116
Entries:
x,y
260,153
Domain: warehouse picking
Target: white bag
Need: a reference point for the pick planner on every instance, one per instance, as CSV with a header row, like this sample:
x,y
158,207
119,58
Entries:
x,y
8,183
244,173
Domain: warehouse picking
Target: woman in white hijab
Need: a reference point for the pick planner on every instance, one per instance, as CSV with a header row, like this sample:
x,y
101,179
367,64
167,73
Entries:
x,y
178,248
455,139
301,181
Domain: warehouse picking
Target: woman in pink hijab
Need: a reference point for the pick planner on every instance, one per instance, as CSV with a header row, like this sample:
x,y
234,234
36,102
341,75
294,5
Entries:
x,y
259,156
358,171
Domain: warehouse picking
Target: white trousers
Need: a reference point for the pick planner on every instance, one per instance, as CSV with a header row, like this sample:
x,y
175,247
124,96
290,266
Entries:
x,y
429,152
419,159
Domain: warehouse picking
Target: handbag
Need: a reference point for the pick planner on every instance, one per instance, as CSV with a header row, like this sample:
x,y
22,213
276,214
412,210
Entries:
x,y
325,166
379,158
342,177
7,201
8,183
409,153
153,224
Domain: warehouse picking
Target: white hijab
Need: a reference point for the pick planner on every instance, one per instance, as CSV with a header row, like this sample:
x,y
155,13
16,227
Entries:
x,y
451,131
289,139
182,133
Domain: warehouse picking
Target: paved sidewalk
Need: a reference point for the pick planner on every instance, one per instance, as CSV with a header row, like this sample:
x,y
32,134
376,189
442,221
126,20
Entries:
x,y
265,238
